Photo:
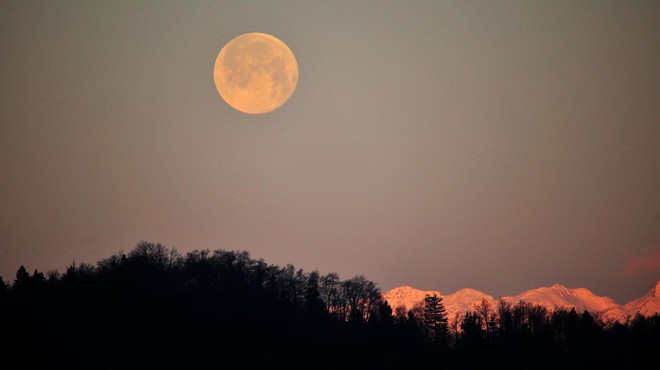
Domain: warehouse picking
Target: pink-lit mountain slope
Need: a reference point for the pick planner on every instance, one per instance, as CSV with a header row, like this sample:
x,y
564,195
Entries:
x,y
407,296
646,305
553,297
464,300
458,302
559,296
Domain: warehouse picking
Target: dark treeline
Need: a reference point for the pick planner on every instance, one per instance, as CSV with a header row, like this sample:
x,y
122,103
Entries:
x,y
154,308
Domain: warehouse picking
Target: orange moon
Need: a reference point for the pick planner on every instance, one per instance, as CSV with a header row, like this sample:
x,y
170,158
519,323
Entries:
x,y
255,73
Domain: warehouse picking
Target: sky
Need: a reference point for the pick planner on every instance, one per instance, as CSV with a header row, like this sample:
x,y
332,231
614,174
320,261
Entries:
x,y
500,146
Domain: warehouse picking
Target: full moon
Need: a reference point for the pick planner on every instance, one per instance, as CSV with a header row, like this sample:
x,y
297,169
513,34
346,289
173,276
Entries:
x,y
255,73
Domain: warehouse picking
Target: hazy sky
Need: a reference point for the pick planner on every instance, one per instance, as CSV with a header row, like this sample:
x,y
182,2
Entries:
x,y
498,145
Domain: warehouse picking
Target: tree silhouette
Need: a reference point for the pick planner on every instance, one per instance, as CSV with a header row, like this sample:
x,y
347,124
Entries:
x,y
472,330
22,277
329,291
313,302
484,309
435,319
412,324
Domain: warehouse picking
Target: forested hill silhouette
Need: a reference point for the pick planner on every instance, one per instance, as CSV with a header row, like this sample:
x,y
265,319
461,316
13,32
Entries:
x,y
153,308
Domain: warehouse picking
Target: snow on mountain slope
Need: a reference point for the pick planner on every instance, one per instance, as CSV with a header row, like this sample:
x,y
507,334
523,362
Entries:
x,y
464,300
553,297
460,301
406,296
559,296
647,305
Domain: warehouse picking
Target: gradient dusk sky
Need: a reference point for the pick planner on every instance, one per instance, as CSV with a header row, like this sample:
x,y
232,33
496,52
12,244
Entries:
x,y
497,145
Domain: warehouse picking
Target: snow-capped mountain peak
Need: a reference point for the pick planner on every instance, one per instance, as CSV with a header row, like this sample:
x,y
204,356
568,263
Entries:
x,y
407,296
646,305
559,296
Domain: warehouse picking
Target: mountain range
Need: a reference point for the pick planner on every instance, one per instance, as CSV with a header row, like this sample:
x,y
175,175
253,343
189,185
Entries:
x,y
552,297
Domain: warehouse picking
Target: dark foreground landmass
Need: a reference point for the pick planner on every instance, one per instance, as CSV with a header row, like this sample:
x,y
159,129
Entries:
x,y
152,308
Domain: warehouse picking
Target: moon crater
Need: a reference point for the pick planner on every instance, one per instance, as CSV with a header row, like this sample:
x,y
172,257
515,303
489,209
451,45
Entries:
x,y
255,73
